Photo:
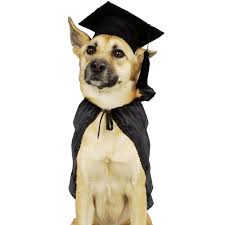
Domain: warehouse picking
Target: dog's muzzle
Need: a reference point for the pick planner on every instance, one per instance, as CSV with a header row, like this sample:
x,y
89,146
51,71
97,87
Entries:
x,y
100,74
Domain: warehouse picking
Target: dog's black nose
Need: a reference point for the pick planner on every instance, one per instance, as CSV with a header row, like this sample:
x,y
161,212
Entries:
x,y
98,66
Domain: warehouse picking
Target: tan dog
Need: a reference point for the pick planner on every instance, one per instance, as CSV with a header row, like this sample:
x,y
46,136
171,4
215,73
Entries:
x,y
110,182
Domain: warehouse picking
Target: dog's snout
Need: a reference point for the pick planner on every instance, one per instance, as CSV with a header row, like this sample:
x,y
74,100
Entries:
x,y
98,66
100,73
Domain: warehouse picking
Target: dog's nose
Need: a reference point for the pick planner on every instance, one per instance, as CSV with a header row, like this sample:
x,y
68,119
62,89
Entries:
x,y
98,66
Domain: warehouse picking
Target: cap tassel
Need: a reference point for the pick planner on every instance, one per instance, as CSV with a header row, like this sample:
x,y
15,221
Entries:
x,y
142,84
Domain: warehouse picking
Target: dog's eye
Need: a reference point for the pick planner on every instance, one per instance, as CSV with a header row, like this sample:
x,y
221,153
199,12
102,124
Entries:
x,y
118,53
91,50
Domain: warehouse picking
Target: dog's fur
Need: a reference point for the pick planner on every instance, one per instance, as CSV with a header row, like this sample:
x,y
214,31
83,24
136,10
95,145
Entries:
x,y
110,182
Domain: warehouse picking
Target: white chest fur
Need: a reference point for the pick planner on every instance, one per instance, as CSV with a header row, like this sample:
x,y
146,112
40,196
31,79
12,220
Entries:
x,y
108,164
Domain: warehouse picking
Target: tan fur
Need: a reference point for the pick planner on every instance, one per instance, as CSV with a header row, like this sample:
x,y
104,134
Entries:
x,y
149,222
110,178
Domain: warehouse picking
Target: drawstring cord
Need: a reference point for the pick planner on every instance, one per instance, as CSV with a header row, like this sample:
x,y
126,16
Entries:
x,y
109,121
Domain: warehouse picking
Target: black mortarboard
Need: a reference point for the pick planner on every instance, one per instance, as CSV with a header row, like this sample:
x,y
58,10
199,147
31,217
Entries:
x,y
113,20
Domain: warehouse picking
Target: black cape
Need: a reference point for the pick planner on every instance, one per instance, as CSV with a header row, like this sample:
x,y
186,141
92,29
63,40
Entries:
x,y
131,119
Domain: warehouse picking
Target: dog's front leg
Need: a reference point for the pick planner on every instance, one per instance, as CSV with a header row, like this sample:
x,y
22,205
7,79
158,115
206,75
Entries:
x,y
137,202
84,202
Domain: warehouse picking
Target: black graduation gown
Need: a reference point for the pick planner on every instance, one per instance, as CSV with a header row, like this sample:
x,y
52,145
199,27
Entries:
x,y
131,119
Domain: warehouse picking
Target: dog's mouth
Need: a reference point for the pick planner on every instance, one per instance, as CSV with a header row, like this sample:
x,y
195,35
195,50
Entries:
x,y
95,82
101,84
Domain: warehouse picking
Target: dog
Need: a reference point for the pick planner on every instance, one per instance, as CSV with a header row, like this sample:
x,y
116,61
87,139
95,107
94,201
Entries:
x,y
110,182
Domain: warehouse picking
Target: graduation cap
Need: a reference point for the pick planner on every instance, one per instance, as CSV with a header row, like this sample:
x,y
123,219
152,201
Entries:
x,y
113,20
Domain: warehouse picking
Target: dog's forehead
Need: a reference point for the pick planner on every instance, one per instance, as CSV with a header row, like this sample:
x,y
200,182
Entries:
x,y
109,42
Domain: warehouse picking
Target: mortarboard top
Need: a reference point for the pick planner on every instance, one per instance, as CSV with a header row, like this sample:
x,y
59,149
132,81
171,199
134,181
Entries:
x,y
113,20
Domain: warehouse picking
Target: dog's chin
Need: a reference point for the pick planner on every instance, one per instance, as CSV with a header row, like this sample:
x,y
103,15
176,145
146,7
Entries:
x,y
120,94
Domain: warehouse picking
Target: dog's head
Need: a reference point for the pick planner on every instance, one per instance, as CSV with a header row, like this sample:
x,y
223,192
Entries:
x,y
109,69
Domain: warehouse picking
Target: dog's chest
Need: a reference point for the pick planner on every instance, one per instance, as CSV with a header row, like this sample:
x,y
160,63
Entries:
x,y
110,161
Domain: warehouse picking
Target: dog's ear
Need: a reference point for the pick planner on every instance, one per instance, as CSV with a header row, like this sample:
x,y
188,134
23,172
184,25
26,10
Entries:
x,y
140,53
78,37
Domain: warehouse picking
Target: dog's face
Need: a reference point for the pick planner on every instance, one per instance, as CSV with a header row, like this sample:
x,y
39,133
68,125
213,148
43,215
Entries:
x,y
108,61
109,69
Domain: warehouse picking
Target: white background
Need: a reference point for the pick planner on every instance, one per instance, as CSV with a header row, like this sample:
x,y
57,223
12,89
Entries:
x,y
39,94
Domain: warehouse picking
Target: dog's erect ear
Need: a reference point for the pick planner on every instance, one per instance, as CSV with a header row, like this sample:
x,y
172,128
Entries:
x,y
78,37
140,53
152,53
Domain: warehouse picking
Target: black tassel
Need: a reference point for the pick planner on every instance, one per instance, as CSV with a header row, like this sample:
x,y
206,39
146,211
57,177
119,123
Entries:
x,y
142,84
143,78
